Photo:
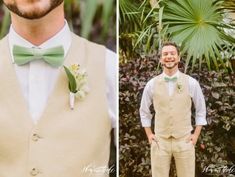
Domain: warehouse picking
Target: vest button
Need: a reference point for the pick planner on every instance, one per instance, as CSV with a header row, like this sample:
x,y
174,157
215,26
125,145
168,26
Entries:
x,y
35,137
34,172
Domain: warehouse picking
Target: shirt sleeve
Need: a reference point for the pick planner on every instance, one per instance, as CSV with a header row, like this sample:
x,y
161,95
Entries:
x,y
198,100
146,101
111,88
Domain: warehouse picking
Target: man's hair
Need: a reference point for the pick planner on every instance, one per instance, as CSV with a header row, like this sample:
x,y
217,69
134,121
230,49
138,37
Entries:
x,y
172,44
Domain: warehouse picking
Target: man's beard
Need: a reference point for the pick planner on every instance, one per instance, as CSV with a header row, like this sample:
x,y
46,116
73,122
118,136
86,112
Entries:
x,y
35,13
170,67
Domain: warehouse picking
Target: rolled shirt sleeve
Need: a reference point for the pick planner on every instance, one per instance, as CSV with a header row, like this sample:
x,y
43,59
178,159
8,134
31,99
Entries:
x,y
111,89
146,101
198,100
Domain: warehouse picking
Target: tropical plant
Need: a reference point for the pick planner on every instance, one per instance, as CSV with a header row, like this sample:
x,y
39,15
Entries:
x,y
200,27
5,21
229,5
138,28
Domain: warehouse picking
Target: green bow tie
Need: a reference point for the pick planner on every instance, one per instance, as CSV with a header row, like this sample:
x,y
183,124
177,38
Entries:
x,y
53,56
168,79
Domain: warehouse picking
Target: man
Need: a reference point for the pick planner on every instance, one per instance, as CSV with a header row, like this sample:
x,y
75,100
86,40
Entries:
x,y
39,134
171,93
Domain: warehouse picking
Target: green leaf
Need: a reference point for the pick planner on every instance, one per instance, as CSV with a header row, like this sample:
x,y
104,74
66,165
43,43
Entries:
x,y
198,26
88,14
107,10
5,23
72,80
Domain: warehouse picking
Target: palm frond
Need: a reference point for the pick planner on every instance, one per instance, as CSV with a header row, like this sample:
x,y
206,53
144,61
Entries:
x,y
197,26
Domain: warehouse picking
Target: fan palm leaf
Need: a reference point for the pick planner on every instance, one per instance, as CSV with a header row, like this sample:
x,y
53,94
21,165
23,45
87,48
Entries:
x,y
197,25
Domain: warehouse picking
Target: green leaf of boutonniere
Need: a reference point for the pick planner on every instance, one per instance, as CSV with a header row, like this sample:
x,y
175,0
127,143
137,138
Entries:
x,y
179,87
72,80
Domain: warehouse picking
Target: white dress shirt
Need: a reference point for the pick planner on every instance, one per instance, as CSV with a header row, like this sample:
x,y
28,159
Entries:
x,y
194,91
37,78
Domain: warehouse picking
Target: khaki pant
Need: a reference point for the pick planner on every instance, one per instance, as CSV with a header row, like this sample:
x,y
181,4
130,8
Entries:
x,y
182,151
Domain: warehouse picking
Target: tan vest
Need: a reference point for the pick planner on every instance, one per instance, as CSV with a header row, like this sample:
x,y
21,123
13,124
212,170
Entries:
x,y
64,143
172,113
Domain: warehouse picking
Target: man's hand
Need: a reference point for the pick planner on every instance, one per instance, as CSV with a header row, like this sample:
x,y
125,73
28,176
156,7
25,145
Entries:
x,y
152,138
195,135
150,135
192,138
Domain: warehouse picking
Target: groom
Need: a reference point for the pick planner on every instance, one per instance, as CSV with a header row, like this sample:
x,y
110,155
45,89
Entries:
x,y
39,134
171,93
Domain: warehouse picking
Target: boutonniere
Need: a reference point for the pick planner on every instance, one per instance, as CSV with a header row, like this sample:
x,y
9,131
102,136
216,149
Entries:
x,y
179,87
78,86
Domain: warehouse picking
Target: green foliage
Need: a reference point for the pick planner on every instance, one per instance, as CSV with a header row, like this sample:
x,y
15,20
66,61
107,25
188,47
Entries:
x,y
5,22
72,80
138,28
201,28
216,143
229,5
93,19
134,158
218,139
198,26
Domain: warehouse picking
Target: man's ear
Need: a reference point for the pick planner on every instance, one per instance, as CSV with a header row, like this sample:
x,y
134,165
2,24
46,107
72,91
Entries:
x,y
160,59
179,57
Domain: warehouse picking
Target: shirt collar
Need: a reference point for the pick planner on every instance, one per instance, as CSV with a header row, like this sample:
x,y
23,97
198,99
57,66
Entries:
x,y
174,75
63,37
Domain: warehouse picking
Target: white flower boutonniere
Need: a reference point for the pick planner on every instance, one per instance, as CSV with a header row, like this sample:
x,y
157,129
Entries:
x,y
179,87
77,83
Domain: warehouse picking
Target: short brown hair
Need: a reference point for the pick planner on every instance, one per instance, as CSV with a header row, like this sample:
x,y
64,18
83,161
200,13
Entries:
x,y
172,44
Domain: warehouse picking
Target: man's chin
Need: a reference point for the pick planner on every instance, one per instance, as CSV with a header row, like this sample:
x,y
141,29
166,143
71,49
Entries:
x,y
32,11
32,16
170,65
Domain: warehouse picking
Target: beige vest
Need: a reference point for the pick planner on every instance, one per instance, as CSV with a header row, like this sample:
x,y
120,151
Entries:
x,y
64,143
172,113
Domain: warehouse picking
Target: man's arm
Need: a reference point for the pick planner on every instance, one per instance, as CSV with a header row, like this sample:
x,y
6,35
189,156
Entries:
x,y
150,135
111,89
145,113
195,135
200,107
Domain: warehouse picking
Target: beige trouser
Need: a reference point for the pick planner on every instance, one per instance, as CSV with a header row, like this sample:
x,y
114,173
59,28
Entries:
x,y
182,151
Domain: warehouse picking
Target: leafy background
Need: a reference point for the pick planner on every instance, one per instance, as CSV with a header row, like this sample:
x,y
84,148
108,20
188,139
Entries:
x,y
91,19
205,32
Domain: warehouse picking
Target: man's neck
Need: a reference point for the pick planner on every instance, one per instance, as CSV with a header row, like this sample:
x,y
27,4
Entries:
x,y
170,72
39,30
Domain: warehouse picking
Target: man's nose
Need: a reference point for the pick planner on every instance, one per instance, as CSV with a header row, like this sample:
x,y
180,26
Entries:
x,y
169,56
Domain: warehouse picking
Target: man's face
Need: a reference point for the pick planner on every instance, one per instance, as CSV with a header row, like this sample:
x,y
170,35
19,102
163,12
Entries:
x,y
169,57
32,9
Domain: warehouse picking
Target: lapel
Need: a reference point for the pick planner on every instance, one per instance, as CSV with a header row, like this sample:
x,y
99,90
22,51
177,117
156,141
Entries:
x,y
12,96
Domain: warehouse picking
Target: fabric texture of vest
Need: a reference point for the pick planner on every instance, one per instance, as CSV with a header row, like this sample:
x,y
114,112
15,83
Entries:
x,y
172,113
65,142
